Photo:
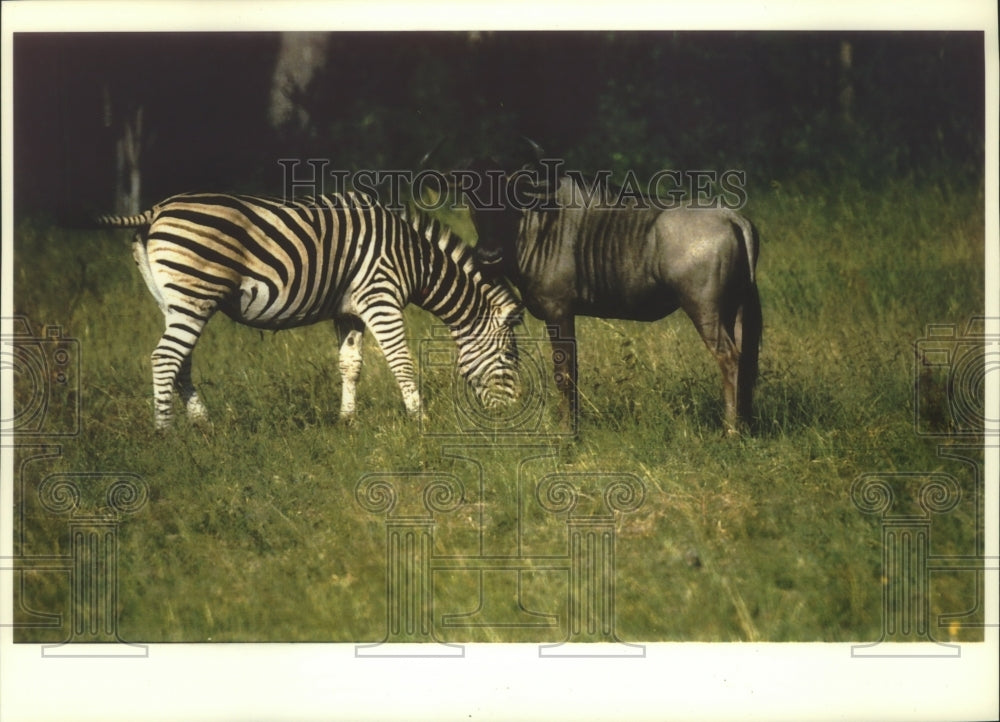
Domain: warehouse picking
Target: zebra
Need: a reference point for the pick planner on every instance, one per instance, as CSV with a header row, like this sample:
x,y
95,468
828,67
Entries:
x,y
273,263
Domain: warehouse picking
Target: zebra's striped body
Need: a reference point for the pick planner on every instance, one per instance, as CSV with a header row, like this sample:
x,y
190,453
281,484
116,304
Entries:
x,y
275,264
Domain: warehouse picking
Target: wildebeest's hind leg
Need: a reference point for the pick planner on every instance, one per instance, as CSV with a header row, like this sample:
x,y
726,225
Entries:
x,y
562,335
719,336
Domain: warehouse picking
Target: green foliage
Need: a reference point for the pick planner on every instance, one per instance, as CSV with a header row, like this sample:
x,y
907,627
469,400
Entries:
x,y
777,105
252,531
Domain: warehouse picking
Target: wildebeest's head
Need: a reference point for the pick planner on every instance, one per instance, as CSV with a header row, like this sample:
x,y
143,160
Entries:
x,y
490,194
498,195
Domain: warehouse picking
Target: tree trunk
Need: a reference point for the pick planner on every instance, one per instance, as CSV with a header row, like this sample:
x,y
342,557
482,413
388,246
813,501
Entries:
x,y
126,130
845,97
300,57
128,174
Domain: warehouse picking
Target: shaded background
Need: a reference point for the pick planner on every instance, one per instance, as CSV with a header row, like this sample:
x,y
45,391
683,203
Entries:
x,y
187,111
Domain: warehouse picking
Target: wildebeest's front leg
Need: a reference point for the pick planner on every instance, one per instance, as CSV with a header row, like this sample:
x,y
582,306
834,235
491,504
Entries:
x,y
562,334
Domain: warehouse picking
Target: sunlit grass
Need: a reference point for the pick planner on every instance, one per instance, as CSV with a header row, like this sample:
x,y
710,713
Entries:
x,y
252,530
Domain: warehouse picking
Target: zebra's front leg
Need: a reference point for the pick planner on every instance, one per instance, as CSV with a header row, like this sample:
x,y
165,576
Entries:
x,y
385,320
350,335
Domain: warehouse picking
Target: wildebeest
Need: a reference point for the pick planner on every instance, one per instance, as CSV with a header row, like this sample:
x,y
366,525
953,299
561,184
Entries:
x,y
573,250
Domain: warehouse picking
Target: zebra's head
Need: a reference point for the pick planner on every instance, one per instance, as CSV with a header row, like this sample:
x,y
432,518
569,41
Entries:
x,y
480,312
487,351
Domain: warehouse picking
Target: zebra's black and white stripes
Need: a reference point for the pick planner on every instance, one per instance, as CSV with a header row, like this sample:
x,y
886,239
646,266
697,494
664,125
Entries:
x,y
276,264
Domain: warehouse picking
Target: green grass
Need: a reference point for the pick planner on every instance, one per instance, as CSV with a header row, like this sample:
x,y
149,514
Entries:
x,y
252,531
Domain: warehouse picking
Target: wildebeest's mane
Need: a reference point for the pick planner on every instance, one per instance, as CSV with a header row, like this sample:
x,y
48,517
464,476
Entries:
x,y
598,188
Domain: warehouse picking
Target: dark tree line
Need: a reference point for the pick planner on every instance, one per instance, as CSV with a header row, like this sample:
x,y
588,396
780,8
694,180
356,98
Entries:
x,y
205,110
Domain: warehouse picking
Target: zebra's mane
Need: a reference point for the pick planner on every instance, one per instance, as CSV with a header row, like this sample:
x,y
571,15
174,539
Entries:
x,y
451,244
426,225
443,237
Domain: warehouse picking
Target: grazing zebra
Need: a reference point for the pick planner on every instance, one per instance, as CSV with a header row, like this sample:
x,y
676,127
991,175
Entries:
x,y
276,264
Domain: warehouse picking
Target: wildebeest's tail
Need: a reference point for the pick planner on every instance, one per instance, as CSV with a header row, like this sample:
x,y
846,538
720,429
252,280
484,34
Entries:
x,y
751,320
751,243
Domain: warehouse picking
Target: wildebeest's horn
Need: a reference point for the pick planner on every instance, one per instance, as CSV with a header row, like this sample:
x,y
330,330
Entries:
x,y
539,152
432,151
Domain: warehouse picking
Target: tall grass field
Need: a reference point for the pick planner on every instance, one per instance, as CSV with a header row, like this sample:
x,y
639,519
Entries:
x,y
250,528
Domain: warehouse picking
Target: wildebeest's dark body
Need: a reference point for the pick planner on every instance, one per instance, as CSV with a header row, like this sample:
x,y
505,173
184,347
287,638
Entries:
x,y
578,252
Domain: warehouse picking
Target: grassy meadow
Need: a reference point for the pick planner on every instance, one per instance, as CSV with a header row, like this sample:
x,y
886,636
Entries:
x,y
252,531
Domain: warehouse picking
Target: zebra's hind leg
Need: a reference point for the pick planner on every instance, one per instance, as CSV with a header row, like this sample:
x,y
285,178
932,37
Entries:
x,y
350,334
171,360
196,410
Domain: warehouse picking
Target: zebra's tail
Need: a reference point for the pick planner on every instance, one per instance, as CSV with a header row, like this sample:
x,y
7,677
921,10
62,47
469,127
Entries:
x,y
84,221
136,221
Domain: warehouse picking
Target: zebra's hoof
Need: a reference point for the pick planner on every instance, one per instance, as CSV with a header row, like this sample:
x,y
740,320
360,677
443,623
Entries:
x,y
200,421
